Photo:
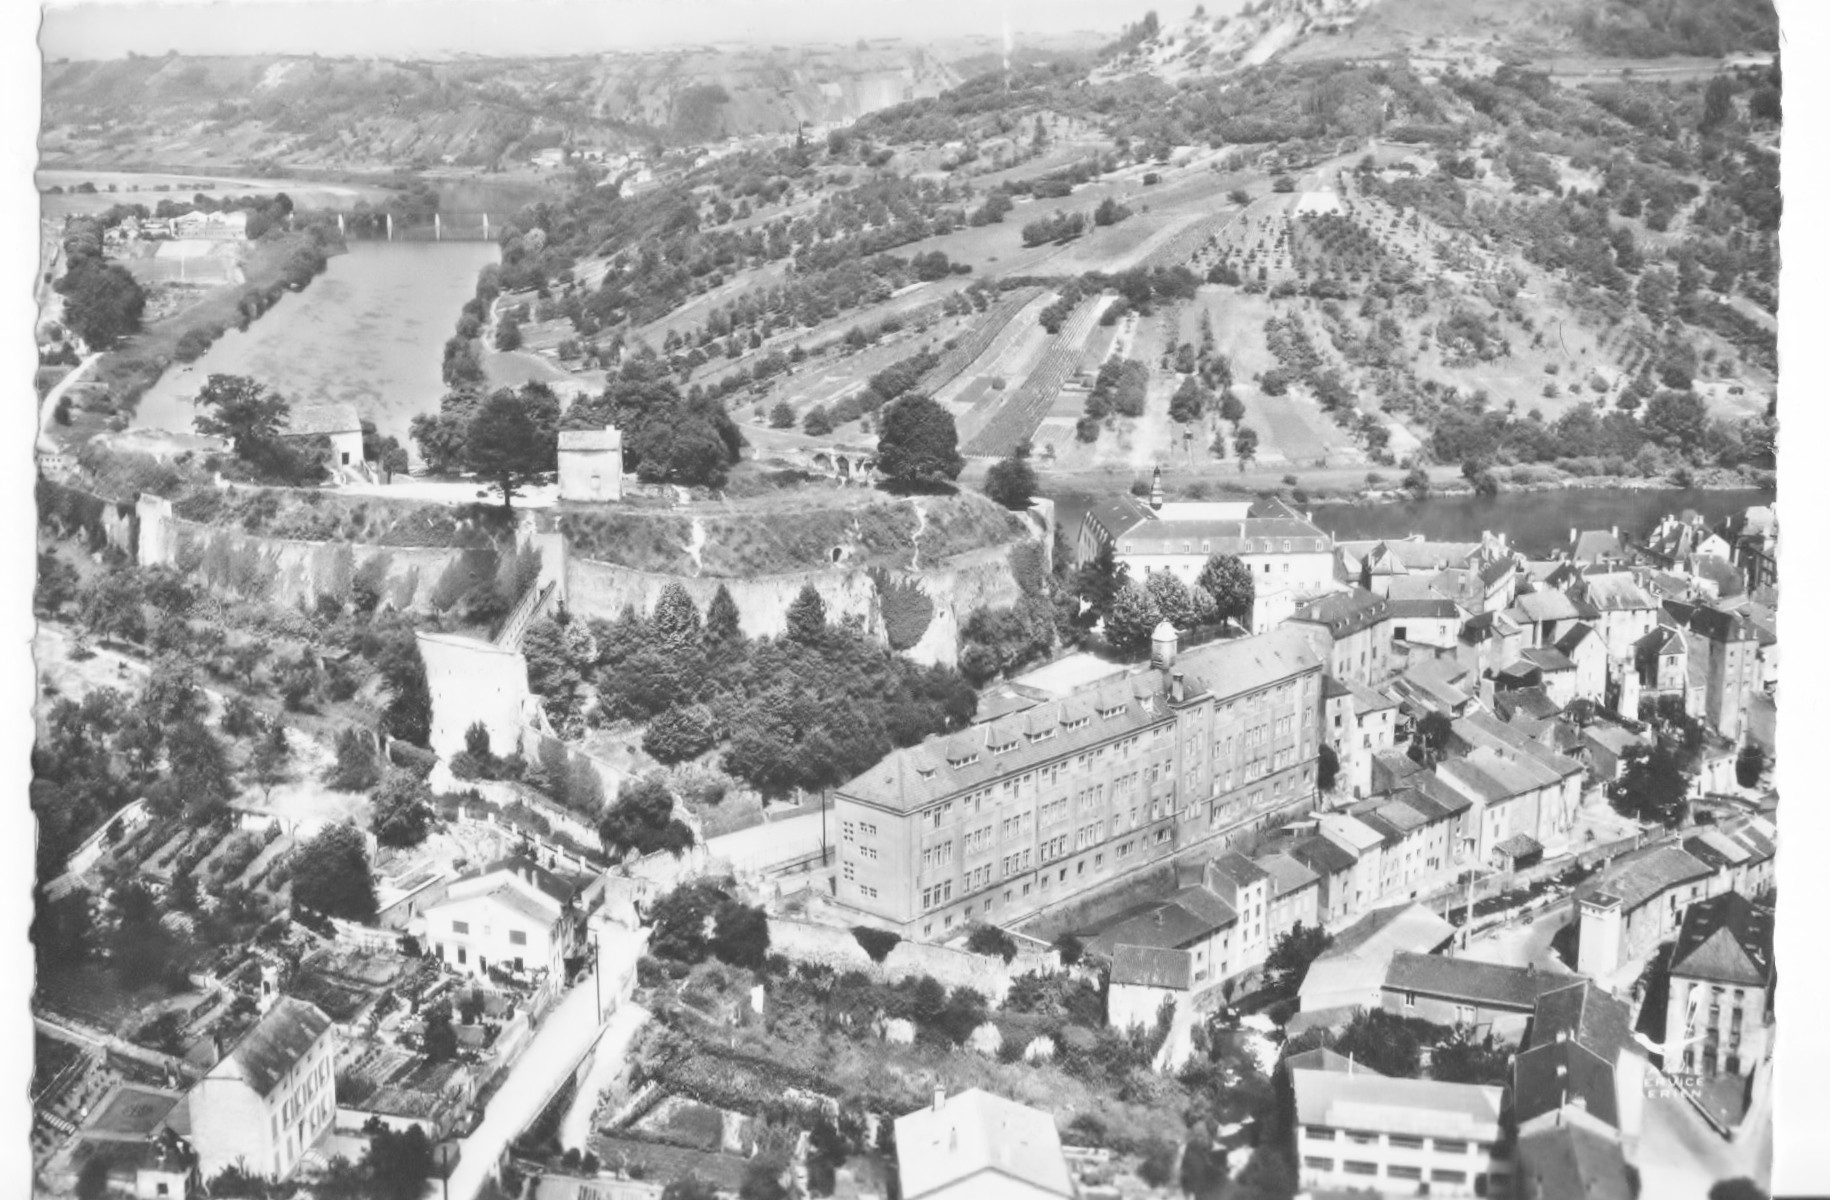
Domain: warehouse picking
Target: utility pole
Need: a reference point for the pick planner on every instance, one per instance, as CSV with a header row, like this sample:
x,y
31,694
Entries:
x,y
444,1162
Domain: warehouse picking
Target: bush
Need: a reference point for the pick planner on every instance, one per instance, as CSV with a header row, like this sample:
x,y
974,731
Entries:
x,y
876,942
990,940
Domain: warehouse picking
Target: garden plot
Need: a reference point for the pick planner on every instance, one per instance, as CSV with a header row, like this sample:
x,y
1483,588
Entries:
x,y
1016,420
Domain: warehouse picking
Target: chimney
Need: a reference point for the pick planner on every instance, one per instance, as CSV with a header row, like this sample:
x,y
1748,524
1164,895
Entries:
x,y
1156,489
1572,535
940,1098
1176,689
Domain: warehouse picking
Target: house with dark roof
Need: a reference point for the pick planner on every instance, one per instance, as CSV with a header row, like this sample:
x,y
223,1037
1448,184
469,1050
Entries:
x,y
1479,996
1334,869
1580,1057
337,423
1728,645
1358,628
1141,979
513,915
1575,1159
1295,892
270,1098
1721,993
1625,611
1587,653
1629,907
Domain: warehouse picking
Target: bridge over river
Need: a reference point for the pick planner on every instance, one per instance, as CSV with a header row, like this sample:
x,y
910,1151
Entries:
x,y
439,227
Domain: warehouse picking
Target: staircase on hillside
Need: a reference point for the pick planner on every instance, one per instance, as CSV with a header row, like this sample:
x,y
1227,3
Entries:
x,y
532,603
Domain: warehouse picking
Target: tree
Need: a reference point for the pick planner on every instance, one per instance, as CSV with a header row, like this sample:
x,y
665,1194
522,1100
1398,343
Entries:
x,y
1654,785
398,1163
679,733
441,1043
1158,1165
1676,420
1750,764
401,810
1245,445
807,616
1011,481
508,334
680,921
505,444
817,422
242,411
1133,619
689,1187
1417,483
1189,402
740,935
1290,956
1327,769
762,1180
1171,598
642,820
990,940
355,768
1232,408
918,442
103,302
92,1180
330,875
1432,737
111,605
198,774
1229,581
781,416
1738,1188
1098,579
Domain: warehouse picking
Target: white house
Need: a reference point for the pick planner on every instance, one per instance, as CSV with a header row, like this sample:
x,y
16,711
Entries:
x,y
270,1098
336,422
591,464
512,915
977,1146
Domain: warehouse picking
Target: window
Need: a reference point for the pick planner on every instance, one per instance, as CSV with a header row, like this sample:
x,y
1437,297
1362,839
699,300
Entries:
x,y
1410,999
1363,1139
462,958
1440,1176
517,937
1360,1168
1311,1163
1394,1171
1400,1141
1314,1134
460,926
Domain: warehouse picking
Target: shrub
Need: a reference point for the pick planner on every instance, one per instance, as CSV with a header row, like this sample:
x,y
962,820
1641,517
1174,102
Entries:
x,y
990,940
876,942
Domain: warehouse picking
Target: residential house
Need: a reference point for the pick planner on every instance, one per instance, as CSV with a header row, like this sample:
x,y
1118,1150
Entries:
x,y
512,915
1662,660
1246,889
1626,612
1608,745
1596,546
1755,537
1582,646
269,1099
1404,849
1192,921
1029,811
1351,973
1334,871
1677,538
1740,851
1485,998
337,423
1546,615
1560,775
1488,642
1142,978
976,1145
1580,1058
591,465
1720,1002
1358,723
1356,1128
1377,564
1288,556
1441,685
1357,625
1295,892
1729,646
1549,668
1631,906
1367,845
1507,797
1576,1157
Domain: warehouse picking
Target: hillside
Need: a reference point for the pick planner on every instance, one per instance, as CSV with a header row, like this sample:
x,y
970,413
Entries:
x,y
306,113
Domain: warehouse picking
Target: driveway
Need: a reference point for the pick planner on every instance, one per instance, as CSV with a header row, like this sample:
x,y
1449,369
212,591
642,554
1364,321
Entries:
x,y
550,1058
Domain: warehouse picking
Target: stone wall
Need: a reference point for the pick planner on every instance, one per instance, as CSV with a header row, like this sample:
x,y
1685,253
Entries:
x,y
472,681
838,948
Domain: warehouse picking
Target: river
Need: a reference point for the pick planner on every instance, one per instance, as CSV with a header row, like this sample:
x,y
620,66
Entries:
x,y
1533,521
370,330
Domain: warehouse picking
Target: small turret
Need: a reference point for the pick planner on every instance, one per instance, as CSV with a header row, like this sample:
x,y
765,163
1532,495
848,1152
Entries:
x,y
1156,489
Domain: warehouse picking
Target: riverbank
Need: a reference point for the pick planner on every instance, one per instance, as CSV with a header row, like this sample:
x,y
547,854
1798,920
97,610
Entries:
x,y
273,267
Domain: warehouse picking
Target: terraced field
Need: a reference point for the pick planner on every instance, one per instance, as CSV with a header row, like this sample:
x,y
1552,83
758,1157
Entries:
x,y
978,339
1021,414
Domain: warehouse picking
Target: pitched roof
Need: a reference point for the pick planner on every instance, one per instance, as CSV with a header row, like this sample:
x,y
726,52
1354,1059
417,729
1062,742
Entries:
x,y
1237,869
1424,608
1645,875
1725,939
1490,984
1359,836
1415,553
1578,633
976,1133
1367,699
1241,665
1547,658
1321,855
1211,535
1614,592
591,439
1164,926
1345,613
1287,873
1485,729
1585,1013
1519,845
1549,1076
1571,1161
1152,966
1530,702
307,420
1377,1104
1592,544
1387,931
274,1046
1547,605
1323,1059
1716,849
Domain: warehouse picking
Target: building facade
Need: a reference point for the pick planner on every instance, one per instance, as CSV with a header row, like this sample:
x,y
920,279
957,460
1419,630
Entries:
x,y
1027,811
512,915
1358,1129
271,1097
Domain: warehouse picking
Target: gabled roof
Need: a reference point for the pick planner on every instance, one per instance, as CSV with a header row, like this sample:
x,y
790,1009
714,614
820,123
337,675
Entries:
x,y
1725,939
1553,1074
1491,985
1367,700
1615,592
1530,702
1345,613
1548,605
1164,926
1358,836
1321,855
1592,544
1659,641
1645,875
1519,845
1547,658
1571,1161
276,1044
1424,608
1377,1104
1152,966
307,420
1386,931
976,1133
1579,633
1583,1012
1287,873
1712,846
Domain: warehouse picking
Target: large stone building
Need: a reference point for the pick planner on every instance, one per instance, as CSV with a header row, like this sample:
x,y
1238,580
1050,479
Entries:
x,y
1288,556
1720,1002
1038,806
270,1098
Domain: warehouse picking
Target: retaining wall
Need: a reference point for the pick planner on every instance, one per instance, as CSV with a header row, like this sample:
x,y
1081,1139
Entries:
x,y
806,941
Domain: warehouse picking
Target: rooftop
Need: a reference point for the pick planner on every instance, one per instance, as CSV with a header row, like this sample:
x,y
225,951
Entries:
x,y
1572,1161
591,439
1645,875
1551,1075
1377,1104
274,1046
974,1133
1345,613
1287,873
1490,984
1581,1011
1726,939
307,420
1152,966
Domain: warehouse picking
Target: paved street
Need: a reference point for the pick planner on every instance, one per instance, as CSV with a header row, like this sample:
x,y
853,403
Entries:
x,y
553,1055
575,1130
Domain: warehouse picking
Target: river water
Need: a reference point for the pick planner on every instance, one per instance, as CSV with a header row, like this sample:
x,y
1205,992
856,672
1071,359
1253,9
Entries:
x,y
370,330
1532,521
